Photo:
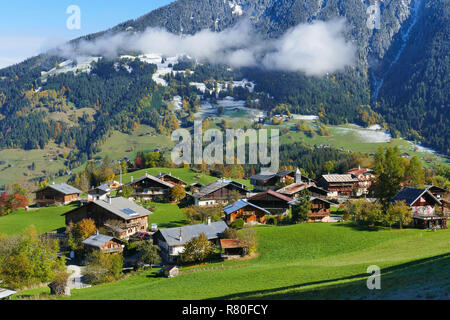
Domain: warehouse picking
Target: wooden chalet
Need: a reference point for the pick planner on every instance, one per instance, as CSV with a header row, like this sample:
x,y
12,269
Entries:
x,y
196,186
365,178
320,209
232,248
103,243
438,192
57,194
272,201
263,182
99,193
246,211
422,203
150,188
171,179
319,192
171,241
219,192
120,216
338,184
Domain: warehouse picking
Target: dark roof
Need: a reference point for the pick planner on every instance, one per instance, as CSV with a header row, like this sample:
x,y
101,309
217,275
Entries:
x,y
151,178
410,195
284,173
436,188
162,175
273,193
262,177
121,207
212,231
63,188
294,202
219,184
241,204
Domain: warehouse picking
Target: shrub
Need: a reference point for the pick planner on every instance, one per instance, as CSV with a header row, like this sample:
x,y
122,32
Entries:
x,y
197,249
238,224
230,233
101,267
272,221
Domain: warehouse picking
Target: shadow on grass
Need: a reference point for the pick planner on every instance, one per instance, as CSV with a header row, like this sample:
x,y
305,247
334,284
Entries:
x,y
356,226
173,224
392,277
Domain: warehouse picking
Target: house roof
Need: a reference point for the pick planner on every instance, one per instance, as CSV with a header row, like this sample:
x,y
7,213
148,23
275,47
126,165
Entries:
x,y
231,243
97,240
284,173
358,171
410,195
64,188
294,202
293,188
104,188
151,178
120,207
162,175
5,293
272,193
430,187
241,204
339,178
212,231
318,189
262,177
219,184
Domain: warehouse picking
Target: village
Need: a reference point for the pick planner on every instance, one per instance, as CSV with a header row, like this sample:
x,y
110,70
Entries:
x,y
223,211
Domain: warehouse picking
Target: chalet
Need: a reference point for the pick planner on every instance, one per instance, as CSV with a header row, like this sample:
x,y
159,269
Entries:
x,y
232,248
195,187
171,179
272,201
149,188
438,192
172,241
247,211
338,184
263,182
219,192
57,194
103,243
320,209
365,178
319,192
100,193
119,215
113,185
422,203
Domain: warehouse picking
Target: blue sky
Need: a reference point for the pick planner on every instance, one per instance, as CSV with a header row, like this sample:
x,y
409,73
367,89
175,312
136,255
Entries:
x,y
29,27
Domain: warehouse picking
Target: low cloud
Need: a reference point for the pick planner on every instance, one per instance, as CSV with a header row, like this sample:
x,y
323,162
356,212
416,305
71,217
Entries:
x,y
315,49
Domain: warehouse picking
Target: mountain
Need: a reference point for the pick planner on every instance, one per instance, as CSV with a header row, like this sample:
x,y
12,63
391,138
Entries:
x,y
400,75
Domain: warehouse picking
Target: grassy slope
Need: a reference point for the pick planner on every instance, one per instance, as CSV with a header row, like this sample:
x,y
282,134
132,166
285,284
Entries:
x,y
45,220
305,261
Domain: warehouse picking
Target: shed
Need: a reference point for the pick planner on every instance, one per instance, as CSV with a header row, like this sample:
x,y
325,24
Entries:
x,y
171,271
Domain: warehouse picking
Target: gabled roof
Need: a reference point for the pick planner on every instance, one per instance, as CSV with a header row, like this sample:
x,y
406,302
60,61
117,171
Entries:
x,y
219,184
241,204
63,188
272,193
294,202
162,175
293,188
284,173
120,207
212,231
410,195
339,178
430,187
318,189
262,177
359,171
97,240
232,243
150,178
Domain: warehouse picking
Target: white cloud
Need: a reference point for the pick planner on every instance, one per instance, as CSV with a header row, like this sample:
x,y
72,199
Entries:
x,y
315,49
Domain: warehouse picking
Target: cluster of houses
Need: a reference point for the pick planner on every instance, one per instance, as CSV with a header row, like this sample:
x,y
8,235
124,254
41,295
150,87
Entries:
x,y
272,195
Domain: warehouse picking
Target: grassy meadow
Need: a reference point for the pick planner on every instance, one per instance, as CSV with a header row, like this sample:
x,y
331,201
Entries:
x,y
306,261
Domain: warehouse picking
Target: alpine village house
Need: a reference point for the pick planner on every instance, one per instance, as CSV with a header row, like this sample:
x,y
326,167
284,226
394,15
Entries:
x,y
57,194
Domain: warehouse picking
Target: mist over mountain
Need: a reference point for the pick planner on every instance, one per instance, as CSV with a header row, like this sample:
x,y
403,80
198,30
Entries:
x,y
318,56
